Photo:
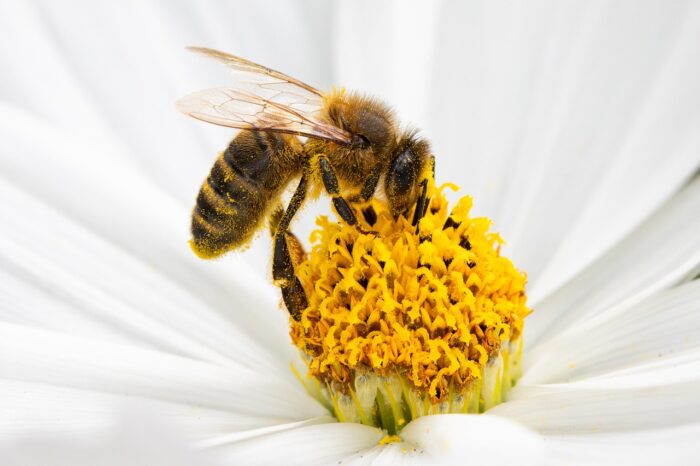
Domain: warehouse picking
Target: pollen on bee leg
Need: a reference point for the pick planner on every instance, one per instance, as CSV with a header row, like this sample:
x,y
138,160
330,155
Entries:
x,y
410,321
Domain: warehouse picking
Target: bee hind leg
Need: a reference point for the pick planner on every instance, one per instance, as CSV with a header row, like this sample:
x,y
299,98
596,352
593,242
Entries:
x,y
293,292
274,219
288,253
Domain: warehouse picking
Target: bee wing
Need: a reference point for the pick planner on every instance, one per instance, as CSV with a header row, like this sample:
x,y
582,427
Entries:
x,y
245,71
261,99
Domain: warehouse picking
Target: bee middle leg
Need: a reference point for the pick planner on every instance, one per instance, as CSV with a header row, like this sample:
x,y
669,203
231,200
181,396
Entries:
x,y
330,182
369,186
366,193
288,253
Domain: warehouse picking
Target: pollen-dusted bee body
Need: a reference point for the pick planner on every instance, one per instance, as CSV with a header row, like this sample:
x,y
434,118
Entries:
x,y
352,145
242,187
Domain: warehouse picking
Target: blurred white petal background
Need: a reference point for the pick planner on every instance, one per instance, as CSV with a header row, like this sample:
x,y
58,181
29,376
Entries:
x,y
573,125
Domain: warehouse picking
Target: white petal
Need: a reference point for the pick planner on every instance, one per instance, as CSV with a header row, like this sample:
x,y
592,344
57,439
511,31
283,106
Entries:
x,y
244,435
635,124
30,51
119,70
620,337
533,104
676,368
96,285
138,437
456,438
39,409
313,445
580,409
111,244
42,357
662,251
447,439
558,118
393,453
678,446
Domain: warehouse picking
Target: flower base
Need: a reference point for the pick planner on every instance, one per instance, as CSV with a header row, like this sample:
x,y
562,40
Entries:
x,y
406,321
391,401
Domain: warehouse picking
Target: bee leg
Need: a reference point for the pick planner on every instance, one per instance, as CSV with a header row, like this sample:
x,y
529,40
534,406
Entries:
x,y
366,194
275,218
288,253
370,185
370,215
293,294
296,249
282,266
330,182
421,203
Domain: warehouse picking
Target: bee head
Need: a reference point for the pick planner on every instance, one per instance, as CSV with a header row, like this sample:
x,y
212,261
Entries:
x,y
409,164
371,123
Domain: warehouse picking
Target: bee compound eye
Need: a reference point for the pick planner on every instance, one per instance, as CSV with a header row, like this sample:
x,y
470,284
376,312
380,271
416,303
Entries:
x,y
360,141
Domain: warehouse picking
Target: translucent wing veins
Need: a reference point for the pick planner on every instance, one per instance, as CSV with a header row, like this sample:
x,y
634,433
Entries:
x,y
241,64
261,99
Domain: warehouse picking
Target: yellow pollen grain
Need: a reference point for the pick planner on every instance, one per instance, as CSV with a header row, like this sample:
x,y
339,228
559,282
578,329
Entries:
x,y
387,439
432,305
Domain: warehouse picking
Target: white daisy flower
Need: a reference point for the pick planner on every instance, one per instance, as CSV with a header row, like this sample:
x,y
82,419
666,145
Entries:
x,y
575,127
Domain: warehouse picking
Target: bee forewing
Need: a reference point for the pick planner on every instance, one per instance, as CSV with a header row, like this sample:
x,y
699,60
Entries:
x,y
246,110
282,93
263,99
246,70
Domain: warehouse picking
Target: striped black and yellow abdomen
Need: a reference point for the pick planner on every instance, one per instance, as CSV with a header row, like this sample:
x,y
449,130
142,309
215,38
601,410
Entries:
x,y
244,183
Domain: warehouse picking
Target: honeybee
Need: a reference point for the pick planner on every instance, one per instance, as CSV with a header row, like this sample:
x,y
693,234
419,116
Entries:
x,y
351,144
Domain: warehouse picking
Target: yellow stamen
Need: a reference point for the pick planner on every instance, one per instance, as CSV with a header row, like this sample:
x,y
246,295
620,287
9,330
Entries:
x,y
403,323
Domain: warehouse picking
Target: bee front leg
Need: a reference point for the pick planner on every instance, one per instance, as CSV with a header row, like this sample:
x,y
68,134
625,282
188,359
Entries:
x,y
421,203
288,253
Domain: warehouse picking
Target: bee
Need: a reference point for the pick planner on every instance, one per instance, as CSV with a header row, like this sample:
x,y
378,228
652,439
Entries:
x,y
344,143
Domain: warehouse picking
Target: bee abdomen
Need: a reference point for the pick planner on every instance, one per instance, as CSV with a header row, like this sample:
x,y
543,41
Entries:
x,y
244,181
228,211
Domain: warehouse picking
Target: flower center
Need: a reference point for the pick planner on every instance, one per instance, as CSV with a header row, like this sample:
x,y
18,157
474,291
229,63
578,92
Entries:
x,y
403,321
